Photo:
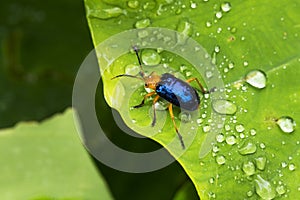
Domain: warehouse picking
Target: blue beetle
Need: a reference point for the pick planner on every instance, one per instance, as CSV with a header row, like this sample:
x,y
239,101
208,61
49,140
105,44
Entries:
x,y
176,91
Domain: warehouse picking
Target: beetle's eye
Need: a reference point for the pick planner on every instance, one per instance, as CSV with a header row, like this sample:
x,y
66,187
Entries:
x,y
146,84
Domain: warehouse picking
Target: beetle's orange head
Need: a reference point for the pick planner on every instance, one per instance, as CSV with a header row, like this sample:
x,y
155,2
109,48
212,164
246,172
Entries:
x,y
152,80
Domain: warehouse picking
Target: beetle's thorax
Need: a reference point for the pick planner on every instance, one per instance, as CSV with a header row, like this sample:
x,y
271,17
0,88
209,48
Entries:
x,y
152,80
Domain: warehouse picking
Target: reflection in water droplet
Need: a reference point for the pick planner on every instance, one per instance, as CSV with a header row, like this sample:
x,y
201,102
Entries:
x,y
220,160
280,189
261,162
239,128
150,57
256,78
224,107
142,23
286,124
185,117
248,148
231,140
264,188
226,7
249,168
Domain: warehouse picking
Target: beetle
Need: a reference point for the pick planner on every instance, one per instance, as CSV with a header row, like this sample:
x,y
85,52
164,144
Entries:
x,y
174,90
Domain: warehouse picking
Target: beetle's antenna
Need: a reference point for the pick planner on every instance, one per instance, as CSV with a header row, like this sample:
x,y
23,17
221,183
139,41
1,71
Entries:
x,y
127,75
135,48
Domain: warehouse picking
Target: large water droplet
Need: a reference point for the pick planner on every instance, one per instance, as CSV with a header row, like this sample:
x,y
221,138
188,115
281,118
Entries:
x,y
220,160
225,107
248,148
161,104
142,23
219,14
249,168
220,138
256,78
264,189
107,13
261,162
286,124
226,7
150,57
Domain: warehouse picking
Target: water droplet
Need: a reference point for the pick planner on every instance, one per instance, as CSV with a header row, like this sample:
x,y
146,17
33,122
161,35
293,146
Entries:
x,y
252,132
217,49
261,162
107,13
248,148
132,69
225,107
208,74
143,34
220,138
221,160
150,57
292,167
284,164
226,7
264,188
231,65
208,24
249,168
206,128
199,121
231,140
227,127
256,78
249,193
142,23
211,180
219,14
133,4
239,128
280,189
185,117
286,124
193,5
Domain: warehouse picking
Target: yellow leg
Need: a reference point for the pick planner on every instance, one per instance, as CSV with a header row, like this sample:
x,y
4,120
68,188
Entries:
x,y
201,87
145,97
154,111
172,117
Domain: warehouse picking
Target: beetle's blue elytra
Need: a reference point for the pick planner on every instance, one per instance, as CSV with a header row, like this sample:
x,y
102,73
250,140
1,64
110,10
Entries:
x,y
176,91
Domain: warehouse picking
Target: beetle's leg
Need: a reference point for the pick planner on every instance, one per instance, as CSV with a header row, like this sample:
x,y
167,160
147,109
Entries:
x,y
154,111
201,87
172,117
145,97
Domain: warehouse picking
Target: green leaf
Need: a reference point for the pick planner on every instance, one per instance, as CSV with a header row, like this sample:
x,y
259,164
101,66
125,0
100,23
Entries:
x,y
252,156
47,161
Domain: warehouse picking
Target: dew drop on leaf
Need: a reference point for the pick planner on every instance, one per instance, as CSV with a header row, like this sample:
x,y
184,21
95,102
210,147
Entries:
x,y
239,128
257,79
224,107
264,189
226,7
143,23
150,57
249,168
220,160
248,148
133,4
219,15
231,140
286,124
280,189
132,69
261,163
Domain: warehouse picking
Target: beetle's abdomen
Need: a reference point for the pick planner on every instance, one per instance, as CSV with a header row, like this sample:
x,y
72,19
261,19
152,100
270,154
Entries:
x,y
177,92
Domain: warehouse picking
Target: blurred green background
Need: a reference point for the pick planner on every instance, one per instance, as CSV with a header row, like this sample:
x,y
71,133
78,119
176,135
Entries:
x,y
42,46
